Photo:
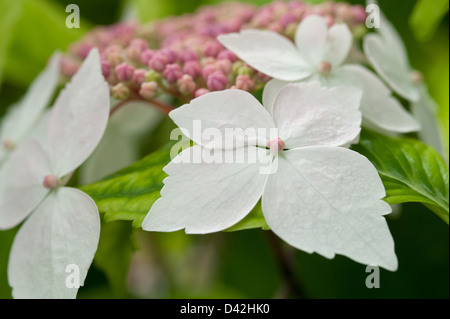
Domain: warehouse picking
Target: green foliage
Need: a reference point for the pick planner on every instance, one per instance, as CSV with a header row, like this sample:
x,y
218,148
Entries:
x,y
40,29
130,193
114,253
426,17
255,219
411,171
9,14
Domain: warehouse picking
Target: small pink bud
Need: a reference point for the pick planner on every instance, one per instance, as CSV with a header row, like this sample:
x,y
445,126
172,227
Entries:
x,y
139,43
188,55
224,65
275,27
325,67
51,181
171,55
227,55
276,145
244,82
201,92
208,70
192,68
146,56
124,72
106,68
217,81
286,19
148,90
329,20
139,76
8,145
359,14
416,77
68,67
172,73
208,60
212,49
158,62
186,84
113,55
120,91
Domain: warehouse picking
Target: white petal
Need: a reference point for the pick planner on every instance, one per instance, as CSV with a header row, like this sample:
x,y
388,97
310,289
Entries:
x,y
206,198
63,232
79,117
328,200
318,43
269,53
377,104
24,115
389,66
425,110
21,183
308,114
222,111
393,40
270,92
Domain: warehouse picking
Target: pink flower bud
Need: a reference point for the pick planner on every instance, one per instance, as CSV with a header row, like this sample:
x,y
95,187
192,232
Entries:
x,y
68,67
286,19
148,90
224,66
227,55
139,76
51,181
124,72
139,43
188,55
171,55
192,68
208,70
146,56
120,91
329,20
276,145
158,62
201,92
359,14
217,81
186,84
212,49
244,82
106,68
172,72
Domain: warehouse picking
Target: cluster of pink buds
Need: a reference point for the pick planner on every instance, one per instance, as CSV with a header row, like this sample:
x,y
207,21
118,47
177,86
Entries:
x,y
181,56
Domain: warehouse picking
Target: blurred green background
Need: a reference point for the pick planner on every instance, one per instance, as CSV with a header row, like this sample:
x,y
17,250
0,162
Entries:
x,y
240,264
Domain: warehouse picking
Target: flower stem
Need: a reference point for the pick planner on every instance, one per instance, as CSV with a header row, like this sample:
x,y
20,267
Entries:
x,y
164,108
291,286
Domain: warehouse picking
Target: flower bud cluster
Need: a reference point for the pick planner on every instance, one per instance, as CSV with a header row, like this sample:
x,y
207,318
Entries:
x,y
181,56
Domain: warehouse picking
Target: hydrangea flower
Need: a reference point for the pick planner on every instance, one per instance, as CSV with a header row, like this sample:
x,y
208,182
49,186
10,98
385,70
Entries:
x,y
24,116
387,54
319,197
63,225
319,53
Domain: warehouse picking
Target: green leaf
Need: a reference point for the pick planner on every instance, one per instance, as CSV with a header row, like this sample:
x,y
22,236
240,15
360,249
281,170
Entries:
x,y
426,17
411,171
255,219
40,30
114,255
130,193
9,14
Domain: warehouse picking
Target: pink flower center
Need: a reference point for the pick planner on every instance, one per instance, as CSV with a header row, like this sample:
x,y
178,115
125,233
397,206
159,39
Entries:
x,y
325,67
51,181
8,145
276,145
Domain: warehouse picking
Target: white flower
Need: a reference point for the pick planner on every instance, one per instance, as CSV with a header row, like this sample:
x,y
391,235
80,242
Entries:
x,y
63,226
318,54
22,118
322,198
387,54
